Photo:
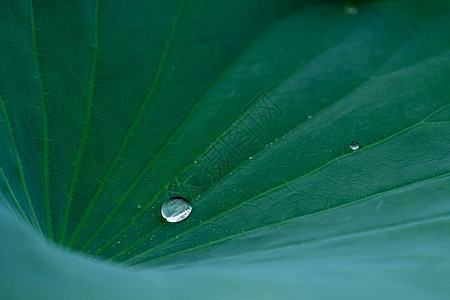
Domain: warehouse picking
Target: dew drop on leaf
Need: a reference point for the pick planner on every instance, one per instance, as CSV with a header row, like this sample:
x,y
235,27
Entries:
x,y
176,210
354,145
351,10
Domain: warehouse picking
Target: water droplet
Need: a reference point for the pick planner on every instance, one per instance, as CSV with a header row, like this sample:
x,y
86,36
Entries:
x,y
250,157
176,210
354,145
138,206
309,116
351,10
195,161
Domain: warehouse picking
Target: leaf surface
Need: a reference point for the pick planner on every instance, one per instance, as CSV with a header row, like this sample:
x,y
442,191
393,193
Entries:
x,y
248,112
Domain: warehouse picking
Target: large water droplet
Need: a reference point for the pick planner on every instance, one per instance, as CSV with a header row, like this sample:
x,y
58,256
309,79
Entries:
x,y
176,210
354,145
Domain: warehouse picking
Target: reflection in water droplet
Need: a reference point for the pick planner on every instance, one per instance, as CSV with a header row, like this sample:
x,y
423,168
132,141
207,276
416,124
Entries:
x,y
176,210
354,145
351,10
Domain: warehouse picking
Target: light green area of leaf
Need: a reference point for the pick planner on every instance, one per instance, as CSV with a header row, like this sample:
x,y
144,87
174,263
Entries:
x,y
247,110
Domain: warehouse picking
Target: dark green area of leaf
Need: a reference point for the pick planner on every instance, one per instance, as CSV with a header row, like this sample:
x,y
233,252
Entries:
x,y
247,110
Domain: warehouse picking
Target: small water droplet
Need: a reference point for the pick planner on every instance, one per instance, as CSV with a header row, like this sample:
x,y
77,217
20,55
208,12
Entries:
x,y
138,206
351,10
250,157
309,116
354,145
195,161
176,210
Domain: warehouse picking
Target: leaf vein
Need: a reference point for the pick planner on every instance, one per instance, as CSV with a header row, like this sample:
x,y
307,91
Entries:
x,y
278,187
45,146
85,132
398,188
133,127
